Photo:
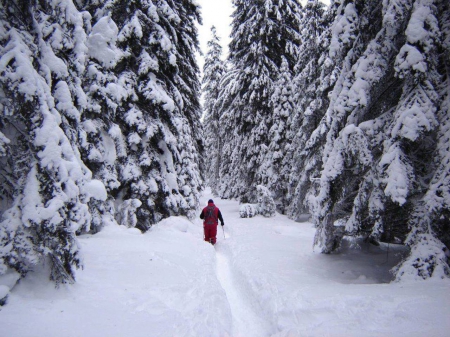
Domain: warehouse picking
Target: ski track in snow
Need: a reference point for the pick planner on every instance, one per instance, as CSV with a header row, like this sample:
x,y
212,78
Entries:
x,y
246,322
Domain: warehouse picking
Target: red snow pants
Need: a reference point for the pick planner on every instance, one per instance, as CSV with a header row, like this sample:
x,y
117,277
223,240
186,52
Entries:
x,y
210,233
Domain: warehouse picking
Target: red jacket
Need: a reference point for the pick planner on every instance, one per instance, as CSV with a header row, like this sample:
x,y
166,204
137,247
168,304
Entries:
x,y
216,215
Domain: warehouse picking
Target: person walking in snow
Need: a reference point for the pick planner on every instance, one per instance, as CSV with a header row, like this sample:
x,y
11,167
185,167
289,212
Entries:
x,y
210,216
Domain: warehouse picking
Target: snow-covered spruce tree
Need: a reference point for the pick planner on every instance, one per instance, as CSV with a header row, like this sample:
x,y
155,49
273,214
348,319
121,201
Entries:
x,y
381,125
423,109
276,175
306,68
189,72
266,204
191,142
340,47
307,163
262,33
310,103
359,95
47,186
213,71
152,100
308,130
228,88
101,140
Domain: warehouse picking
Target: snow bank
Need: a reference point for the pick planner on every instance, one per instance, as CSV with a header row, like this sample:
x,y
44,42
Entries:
x,y
161,283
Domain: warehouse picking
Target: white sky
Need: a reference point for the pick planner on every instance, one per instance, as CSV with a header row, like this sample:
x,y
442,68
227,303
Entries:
x,y
218,13
215,13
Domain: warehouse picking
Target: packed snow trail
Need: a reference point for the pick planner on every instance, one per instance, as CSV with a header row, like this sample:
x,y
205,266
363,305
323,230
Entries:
x,y
246,321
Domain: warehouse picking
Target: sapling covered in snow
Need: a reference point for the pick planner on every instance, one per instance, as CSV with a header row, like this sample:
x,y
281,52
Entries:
x,y
248,210
126,212
266,205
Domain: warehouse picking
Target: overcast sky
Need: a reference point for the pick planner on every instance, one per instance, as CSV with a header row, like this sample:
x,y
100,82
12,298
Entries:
x,y
217,13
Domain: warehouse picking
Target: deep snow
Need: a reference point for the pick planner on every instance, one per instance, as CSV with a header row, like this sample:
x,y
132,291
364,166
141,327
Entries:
x,y
262,279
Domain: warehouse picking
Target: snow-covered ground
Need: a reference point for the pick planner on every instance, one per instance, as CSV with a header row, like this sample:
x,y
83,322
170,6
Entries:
x,y
261,279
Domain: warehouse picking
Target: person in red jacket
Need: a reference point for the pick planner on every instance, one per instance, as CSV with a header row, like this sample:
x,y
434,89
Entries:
x,y
211,216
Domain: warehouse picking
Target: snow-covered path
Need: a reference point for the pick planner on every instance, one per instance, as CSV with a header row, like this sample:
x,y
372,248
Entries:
x,y
246,321
264,279
246,318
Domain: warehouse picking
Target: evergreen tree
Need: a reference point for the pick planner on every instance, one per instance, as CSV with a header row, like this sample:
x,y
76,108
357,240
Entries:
x,y
213,71
420,127
262,32
42,60
111,90
381,123
355,100
191,140
310,101
154,107
228,88
273,174
102,142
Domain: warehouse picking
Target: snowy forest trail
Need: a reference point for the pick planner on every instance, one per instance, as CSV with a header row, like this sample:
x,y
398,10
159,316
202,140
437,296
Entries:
x,y
262,280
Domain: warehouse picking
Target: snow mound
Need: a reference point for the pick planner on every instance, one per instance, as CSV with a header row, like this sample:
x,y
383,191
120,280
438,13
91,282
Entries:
x,y
178,223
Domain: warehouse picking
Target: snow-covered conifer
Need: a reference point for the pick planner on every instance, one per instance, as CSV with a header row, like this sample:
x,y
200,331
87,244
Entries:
x,y
423,109
266,204
213,70
111,90
272,172
367,66
153,109
262,33
42,60
317,72
387,101
228,87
